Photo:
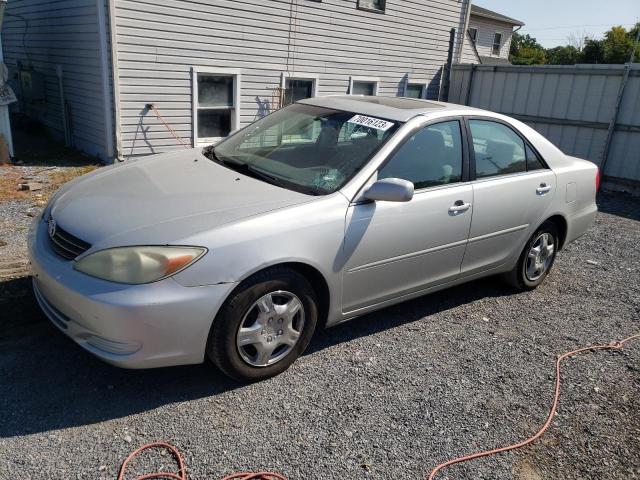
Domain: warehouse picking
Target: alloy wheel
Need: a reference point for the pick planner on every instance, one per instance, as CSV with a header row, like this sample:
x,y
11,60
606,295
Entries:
x,y
540,256
270,329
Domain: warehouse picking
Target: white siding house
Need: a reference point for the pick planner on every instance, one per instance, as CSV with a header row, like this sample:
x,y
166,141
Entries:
x,y
49,44
207,67
488,37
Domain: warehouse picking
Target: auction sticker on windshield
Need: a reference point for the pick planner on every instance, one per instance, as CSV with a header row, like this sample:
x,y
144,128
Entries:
x,y
372,122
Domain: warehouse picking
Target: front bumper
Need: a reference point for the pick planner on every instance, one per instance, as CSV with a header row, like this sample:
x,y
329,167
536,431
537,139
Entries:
x,y
133,326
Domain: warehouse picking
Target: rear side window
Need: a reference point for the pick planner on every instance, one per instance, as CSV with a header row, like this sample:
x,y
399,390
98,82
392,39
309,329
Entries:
x,y
430,157
533,160
498,149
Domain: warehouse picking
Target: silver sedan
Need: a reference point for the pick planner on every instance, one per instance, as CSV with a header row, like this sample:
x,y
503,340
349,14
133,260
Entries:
x,y
320,212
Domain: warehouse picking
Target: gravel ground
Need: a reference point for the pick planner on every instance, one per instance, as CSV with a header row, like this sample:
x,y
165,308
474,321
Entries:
x,y
18,212
388,395
15,217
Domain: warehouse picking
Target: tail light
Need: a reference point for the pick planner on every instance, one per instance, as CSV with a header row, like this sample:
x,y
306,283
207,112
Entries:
x,y
597,180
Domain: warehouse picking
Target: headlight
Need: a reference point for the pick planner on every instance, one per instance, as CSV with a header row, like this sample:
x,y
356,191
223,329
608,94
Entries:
x,y
136,265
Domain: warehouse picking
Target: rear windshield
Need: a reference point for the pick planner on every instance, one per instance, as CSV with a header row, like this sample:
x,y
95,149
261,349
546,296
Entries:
x,y
305,148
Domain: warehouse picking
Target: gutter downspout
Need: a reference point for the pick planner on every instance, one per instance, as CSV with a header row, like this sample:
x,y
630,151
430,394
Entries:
x,y
511,40
63,107
115,79
464,32
107,104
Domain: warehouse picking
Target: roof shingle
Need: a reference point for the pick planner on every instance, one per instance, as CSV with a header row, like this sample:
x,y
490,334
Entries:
x,y
483,12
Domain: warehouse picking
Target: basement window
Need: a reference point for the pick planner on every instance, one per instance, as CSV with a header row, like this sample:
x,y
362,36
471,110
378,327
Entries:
x,y
415,90
497,43
372,5
363,86
296,88
216,104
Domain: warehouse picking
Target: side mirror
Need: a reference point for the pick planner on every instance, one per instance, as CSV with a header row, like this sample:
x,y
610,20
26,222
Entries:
x,y
390,190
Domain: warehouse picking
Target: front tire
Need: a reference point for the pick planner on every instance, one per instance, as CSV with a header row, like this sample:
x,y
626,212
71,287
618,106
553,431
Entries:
x,y
536,259
264,326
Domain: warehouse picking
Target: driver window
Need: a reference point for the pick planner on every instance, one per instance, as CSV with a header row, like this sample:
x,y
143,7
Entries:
x,y
430,157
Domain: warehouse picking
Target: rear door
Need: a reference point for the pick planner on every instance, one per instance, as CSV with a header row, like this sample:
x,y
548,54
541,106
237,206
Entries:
x,y
512,191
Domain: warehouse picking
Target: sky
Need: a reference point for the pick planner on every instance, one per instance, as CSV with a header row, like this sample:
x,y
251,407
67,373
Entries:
x,y
552,21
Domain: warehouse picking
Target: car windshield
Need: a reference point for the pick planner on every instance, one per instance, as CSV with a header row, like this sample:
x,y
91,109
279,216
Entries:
x,y
309,149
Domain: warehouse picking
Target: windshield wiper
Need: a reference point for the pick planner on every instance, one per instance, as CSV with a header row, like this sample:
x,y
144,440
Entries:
x,y
254,172
213,155
245,168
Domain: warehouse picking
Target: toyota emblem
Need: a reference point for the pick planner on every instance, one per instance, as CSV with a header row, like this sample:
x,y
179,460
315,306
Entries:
x,y
51,227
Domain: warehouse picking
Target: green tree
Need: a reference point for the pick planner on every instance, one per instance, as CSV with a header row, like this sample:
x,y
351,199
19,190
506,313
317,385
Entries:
x,y
525,50
633,33
568,55
519,41
593,51
530,56
617,44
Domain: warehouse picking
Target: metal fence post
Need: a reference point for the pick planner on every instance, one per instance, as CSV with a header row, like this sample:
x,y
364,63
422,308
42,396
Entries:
x,y
447,71
614,119
470,85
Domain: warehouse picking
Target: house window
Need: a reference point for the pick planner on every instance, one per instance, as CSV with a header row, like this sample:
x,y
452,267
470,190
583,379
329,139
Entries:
x,y
473,33
298,88
414,90
363,86
216,104
497,43
373,5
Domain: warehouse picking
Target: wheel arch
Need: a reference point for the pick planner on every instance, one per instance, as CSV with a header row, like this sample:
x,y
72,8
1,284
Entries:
x,y
319,284
561,224
312,274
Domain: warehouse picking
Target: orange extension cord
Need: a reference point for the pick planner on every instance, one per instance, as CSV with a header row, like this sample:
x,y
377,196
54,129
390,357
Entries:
x,y
182,474
171,131
554,406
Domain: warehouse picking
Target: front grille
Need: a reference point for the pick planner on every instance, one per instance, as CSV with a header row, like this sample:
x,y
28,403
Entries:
x,y
66,245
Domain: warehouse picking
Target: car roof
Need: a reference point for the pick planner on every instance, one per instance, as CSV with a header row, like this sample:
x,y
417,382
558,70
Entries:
x,y
400,109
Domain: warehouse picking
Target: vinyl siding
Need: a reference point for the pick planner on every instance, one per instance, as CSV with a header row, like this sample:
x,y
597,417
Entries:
x,y
42,34
486,31
469,54
158,44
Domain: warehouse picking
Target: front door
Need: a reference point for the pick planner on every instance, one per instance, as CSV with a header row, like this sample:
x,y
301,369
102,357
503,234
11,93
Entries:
x,y
512,192
396,248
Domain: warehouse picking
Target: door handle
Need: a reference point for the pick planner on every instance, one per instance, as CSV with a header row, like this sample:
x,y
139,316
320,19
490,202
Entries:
x,y
543,188
459,207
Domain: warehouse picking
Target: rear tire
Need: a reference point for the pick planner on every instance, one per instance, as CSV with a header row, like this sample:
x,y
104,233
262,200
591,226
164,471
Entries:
x,y
536,259
264,326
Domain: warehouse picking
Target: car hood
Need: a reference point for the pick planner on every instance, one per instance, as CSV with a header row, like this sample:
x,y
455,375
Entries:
x,y
162,199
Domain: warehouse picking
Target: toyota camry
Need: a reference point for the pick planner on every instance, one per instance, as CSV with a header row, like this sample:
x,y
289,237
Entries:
x,y
320,212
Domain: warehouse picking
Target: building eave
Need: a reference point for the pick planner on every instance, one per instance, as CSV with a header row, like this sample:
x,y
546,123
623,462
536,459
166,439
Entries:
x,y
485,13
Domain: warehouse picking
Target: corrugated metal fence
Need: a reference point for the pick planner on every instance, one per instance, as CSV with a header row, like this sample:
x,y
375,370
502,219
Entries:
x,y
585,110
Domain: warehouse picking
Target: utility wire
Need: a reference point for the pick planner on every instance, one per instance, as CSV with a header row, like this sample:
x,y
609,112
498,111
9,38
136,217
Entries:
x,y
578,26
